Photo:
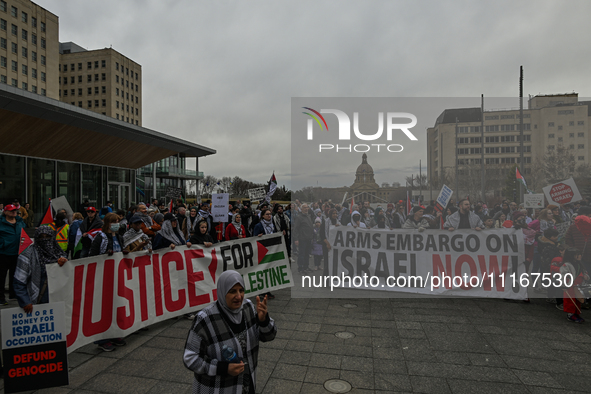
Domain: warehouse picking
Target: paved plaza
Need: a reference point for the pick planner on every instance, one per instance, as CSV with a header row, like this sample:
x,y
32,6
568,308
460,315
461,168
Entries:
x,y
416,345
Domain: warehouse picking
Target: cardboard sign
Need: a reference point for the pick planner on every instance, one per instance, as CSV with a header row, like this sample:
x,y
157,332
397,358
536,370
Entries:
x,y
256,194
219,207
34,348
562,192
533,201
173,192
443,198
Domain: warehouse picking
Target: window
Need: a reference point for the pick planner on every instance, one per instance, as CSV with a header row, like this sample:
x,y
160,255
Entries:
x,y
126,71
104,103
79,67
127,83
550,124
96,103
34,56
136,100
470,138
65,80
89,78
559,127
132,86
24,34
127,109
3,43
571,135
559,139
117,78
3,79
581,158
103,89
525,149
132,114
507,149
137,90
42,79
25,69
571,123
13,11
116,91
117,104
580,134
581,123
34,89
72,79
117,116
14,82
550,147
43,27
24,17
571,146
566,112
14,47
79,78
137,123
33,22
526,137
550,135
80,104
508,138
3,6
42,42
89,91
96,90
79,92
103,63
581,146
96,64
14,66
96,77
491,150
136,77
14,30
127,96
3,24
43,92
491,128
43,61
24,85
34,39
65,92
89,103
3,61
65,67
103,77
127,119
24,51
89,65
507,127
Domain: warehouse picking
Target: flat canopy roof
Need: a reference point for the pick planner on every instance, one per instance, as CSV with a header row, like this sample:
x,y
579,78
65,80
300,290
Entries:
x,y
38,126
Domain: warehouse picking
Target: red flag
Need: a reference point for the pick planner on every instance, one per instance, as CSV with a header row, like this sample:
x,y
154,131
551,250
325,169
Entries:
x,y
48,217
25,241
170,206
408,204
220,231
352,203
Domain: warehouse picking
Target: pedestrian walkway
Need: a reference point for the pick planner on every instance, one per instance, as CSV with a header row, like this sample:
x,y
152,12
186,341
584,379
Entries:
x,y
399,345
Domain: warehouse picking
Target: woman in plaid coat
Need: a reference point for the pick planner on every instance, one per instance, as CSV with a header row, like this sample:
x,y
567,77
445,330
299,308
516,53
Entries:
x,y
231,322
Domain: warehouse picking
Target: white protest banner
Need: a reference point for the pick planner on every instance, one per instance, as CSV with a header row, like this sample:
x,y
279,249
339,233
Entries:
x,y
256,194
114,296
34,348
562,192
533,201
487,263
219,207
443,198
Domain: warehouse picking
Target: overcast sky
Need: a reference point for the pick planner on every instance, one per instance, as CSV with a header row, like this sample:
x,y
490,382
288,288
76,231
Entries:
x,y
222,73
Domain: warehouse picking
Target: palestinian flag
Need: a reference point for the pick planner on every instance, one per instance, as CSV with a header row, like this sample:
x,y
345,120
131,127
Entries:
x,y
25,241
272,187
352,203
269,249
78,242
48,217
408,204
521,179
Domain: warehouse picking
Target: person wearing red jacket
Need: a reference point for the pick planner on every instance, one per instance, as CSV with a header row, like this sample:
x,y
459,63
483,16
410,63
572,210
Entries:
x,y
573,267
235,230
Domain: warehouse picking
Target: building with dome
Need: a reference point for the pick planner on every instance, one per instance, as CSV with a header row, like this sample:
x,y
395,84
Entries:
x,y
364,188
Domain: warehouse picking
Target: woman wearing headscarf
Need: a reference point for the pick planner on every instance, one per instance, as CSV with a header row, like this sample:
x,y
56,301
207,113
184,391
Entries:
x,y
265,226
190,225
170,234
379,219
222,345
235,230
30,277
201,236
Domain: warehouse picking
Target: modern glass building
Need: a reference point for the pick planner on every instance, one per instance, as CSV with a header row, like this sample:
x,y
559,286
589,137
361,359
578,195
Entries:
x,y
49,149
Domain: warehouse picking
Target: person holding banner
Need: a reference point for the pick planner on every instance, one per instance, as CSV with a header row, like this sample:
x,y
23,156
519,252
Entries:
x,y
108,240
201,236
88,227
463,218
190,226
30,278
169,235
235,230
415,220
223,342
134,239
11,226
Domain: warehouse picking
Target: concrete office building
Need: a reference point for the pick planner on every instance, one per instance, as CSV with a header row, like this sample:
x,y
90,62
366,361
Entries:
x,y
29,47
548,121
102,81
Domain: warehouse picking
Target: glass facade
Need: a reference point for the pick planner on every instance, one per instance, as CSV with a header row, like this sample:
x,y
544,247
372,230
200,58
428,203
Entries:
x,y
35,181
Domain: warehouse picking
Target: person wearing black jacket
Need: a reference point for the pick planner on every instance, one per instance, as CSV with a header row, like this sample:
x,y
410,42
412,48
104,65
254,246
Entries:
x,y
92,222
108,240
302,233
201,236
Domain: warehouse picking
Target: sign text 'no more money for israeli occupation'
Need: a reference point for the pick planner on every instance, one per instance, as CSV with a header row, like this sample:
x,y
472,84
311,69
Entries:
x,y
113,296
491,255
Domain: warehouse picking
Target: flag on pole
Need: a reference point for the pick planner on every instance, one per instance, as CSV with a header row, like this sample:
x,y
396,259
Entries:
x,y
48,217
272,187
408,204
352,203
521,179
170,206
78,240
25,241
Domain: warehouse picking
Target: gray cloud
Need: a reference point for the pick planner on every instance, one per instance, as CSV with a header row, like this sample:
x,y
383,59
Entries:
x,y
222,74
